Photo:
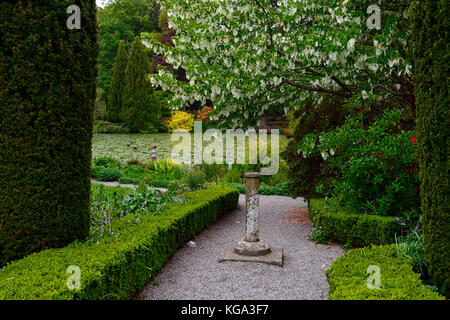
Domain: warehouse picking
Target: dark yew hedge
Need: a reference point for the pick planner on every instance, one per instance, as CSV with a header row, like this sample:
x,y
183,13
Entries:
x,y
431,70
47,92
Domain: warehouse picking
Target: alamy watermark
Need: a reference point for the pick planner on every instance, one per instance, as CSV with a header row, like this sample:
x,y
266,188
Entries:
x,y
374,21
74,20
374,280
258,147
74,280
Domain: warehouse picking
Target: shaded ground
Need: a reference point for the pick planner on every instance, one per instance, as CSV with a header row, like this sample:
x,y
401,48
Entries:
x,y
194,273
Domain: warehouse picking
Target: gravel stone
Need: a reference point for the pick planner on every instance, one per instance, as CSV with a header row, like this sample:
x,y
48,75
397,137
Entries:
x,y
194,273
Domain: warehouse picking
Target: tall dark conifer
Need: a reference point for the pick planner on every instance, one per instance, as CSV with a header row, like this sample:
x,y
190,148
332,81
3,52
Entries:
x,y
431,51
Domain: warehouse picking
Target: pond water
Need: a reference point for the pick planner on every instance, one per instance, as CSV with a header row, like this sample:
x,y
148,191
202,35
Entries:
x,y
125,147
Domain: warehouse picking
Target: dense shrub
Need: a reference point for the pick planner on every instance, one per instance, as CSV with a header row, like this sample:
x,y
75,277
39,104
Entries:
x,y
114,104
132,174
109,174
180,120
338,225
431,69
377,165
95,171
348,277
310,176
47,94
117,267
194,179
107,162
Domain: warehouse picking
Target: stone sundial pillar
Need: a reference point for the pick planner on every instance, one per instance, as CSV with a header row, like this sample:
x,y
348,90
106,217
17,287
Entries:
x,y
251,245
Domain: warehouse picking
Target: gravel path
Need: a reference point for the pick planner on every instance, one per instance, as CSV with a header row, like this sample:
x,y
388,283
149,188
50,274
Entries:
x,y
194,273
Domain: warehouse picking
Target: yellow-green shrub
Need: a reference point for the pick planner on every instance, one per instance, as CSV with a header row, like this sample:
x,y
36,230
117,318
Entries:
x,y
180,120
348,276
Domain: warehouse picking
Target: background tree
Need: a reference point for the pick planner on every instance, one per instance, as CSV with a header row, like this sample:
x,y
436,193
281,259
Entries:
x,y
122,20
141,105
431,70
114,105
47,93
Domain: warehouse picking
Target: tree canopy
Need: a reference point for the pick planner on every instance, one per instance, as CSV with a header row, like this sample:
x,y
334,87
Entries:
x,y
248,56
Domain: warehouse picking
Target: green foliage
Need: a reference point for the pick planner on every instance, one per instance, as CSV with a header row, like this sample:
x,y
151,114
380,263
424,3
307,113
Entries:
x,y
107,162
310,175
47,95
348,277
318,235
266,190
412,246
377,165
140,106
133,174
213,171
121,20
114,104
109,174
431,69
194,179
116,267
341,226
235,175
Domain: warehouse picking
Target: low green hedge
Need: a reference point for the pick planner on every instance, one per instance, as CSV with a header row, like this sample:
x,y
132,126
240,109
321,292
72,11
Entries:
x,y
358,230
119,265
348,276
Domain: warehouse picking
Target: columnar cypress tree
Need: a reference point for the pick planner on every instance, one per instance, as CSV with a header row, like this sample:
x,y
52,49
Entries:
x,y
114,106
141,107
47,93
431,63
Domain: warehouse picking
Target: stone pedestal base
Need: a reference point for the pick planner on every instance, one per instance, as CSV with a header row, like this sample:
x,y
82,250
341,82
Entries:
x,y
274,257
254,249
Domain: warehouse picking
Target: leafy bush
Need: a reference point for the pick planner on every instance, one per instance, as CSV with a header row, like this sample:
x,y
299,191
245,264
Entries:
x,y
235,175
348,277
412,246
280,177
213,171
95,171
47,95
341,226
194,179
378,166
116,267
180,120
166,166
280,189
99,126
109,174
132,174
309,176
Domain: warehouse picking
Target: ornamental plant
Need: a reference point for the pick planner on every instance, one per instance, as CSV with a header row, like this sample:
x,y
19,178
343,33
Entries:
x,y
47,92
377,166
247,56
180,120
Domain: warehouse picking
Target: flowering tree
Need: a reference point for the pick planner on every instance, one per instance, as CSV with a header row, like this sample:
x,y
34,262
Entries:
x,y
250,55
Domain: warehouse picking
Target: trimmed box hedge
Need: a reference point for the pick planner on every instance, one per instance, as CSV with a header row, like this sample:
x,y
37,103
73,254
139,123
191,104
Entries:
x,y
348,276
341,226
118,266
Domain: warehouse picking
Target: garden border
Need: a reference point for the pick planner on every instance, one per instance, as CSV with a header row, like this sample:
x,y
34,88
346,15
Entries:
x,y
348,276
116,267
